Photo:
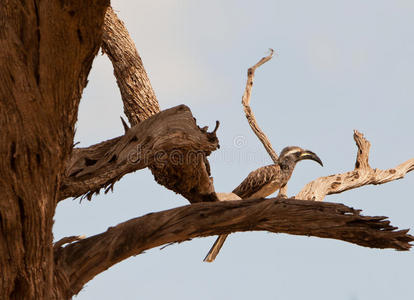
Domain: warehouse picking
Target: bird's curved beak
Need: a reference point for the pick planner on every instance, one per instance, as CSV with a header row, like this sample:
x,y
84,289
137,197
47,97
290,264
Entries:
x,y
306,154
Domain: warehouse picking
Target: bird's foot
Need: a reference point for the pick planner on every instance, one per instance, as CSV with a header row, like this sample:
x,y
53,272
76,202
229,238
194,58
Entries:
x,y
282,196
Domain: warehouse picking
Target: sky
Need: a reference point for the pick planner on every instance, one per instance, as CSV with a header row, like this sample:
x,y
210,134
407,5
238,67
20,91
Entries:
x,y
339,66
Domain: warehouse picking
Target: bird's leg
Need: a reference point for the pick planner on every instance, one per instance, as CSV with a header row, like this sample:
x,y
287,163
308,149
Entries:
x,y
283,192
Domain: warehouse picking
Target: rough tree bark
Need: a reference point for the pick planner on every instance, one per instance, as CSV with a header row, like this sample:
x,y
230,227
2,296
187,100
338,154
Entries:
x,y
47,49
137,94
328,220
169,141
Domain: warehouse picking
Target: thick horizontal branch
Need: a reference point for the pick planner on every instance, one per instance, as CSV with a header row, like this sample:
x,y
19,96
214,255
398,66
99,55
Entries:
x,y
82,260
137,94
362,175
170,143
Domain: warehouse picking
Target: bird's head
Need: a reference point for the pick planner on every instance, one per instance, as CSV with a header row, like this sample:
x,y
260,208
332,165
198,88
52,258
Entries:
x,y
292,154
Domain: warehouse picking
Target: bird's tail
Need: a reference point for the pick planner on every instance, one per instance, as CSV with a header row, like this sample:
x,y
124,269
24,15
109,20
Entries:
x,y
211,255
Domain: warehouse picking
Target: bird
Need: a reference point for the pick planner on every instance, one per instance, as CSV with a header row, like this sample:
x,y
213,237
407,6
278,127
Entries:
x,y
265,181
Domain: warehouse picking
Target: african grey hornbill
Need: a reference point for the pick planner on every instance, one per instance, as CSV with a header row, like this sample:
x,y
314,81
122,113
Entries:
x,y
265,181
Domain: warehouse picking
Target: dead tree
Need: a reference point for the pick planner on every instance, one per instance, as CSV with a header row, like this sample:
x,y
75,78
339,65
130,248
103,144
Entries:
x,y
47,51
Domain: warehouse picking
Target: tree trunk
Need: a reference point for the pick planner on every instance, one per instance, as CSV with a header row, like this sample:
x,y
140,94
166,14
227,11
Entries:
x,y
47,49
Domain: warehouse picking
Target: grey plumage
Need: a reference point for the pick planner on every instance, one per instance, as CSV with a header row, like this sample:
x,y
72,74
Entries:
x,y
256,182
265,181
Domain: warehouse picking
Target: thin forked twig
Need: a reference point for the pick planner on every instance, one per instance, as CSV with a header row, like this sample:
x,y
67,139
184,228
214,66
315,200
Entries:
x,y
247,110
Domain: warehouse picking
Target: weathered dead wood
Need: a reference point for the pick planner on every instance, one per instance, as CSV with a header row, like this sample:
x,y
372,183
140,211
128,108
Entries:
x,y
47,49
83,260
362,175
249,114
137,94
252,119
140,103
316,190
169,142
211,255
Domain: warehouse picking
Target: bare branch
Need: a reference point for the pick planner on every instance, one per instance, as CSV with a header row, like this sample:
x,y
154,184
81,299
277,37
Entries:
x,y
362,175
211,255
125,125
83,260
140,103
138,96
170,143
247,110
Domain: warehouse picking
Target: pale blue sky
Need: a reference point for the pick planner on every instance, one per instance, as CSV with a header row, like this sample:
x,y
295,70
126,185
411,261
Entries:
x,y
341,65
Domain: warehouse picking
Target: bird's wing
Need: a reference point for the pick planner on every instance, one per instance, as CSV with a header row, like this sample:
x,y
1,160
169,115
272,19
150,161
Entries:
x,y
256,180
